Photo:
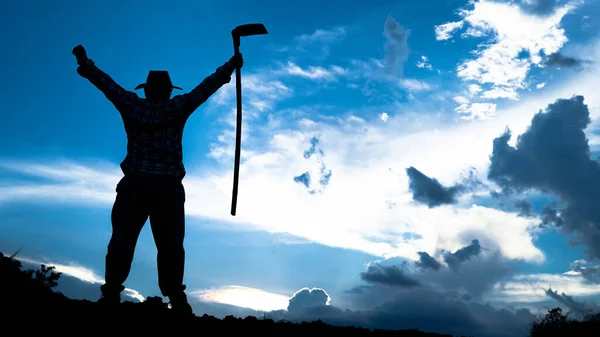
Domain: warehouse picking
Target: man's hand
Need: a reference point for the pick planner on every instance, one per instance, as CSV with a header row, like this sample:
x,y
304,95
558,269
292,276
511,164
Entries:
x,y
80,54
237,61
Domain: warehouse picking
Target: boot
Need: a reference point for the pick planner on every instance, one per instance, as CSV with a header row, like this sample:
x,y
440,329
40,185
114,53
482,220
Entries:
x,y
180,305
110,295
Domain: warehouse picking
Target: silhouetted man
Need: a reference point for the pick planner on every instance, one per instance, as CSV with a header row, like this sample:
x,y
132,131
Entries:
x,y
153,172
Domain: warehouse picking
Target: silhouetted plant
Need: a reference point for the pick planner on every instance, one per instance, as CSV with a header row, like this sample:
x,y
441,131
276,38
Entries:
x,y
47,276
553,321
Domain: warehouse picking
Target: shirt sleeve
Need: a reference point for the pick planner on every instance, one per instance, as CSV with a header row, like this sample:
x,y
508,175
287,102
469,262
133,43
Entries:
x,y
186,104
121,98
128,103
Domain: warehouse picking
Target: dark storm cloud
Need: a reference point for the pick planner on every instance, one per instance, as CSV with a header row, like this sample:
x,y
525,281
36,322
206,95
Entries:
x,y
550,216
435,299
559,60
427,261
524,207
469,272
431,192
461,255
590,273
475,276
389,276
553,156
577,307
424,308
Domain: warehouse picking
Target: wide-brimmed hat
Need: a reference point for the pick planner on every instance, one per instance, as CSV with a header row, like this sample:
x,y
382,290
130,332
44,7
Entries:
x,y
158,78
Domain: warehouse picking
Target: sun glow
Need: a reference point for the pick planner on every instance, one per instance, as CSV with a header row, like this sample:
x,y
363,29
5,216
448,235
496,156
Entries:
x,y
244,297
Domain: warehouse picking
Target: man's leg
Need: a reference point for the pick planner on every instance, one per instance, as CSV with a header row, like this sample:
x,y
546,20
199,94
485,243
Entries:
x,y
167,220
129,214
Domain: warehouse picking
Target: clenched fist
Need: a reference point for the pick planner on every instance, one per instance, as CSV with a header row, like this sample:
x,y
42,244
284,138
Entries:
x,y
79,53
237,60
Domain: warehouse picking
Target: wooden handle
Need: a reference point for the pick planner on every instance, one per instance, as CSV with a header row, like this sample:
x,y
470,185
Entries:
x,y
238,132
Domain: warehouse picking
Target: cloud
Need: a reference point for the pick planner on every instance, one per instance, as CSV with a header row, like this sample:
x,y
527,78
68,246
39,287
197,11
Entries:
x,y
388,275
427,261
318,43
413,85
498,64
244,297
430,192
314,73
589,273
322,36
539,7
525,208
550,216
461,100
423,308
307,298
553,156
476,111
317,169
579,308
444,31
461,255
262,92
524,288
77,183
424,63
396,47
559,60
477,275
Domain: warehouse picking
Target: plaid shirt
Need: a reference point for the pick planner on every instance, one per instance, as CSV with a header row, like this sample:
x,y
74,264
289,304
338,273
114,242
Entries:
x,y
154,129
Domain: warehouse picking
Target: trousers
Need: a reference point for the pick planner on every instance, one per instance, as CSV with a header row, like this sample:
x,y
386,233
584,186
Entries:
x,y
139,199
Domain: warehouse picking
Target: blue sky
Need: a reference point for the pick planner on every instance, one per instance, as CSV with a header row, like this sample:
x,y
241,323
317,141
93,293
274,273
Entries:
x,y
339,101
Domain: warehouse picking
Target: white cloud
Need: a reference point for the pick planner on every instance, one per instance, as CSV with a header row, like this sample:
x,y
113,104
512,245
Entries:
x,y
81,273
316,44
444,31
461,100
474,89
540,85
133,294
314,73
355,119
424,63
511,31
413,85
75,183
261,93
384,116
323,35
479,111
530,287
244,297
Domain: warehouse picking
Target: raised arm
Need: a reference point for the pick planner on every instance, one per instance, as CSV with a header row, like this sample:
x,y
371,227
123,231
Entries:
x,y
186,104
122,99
